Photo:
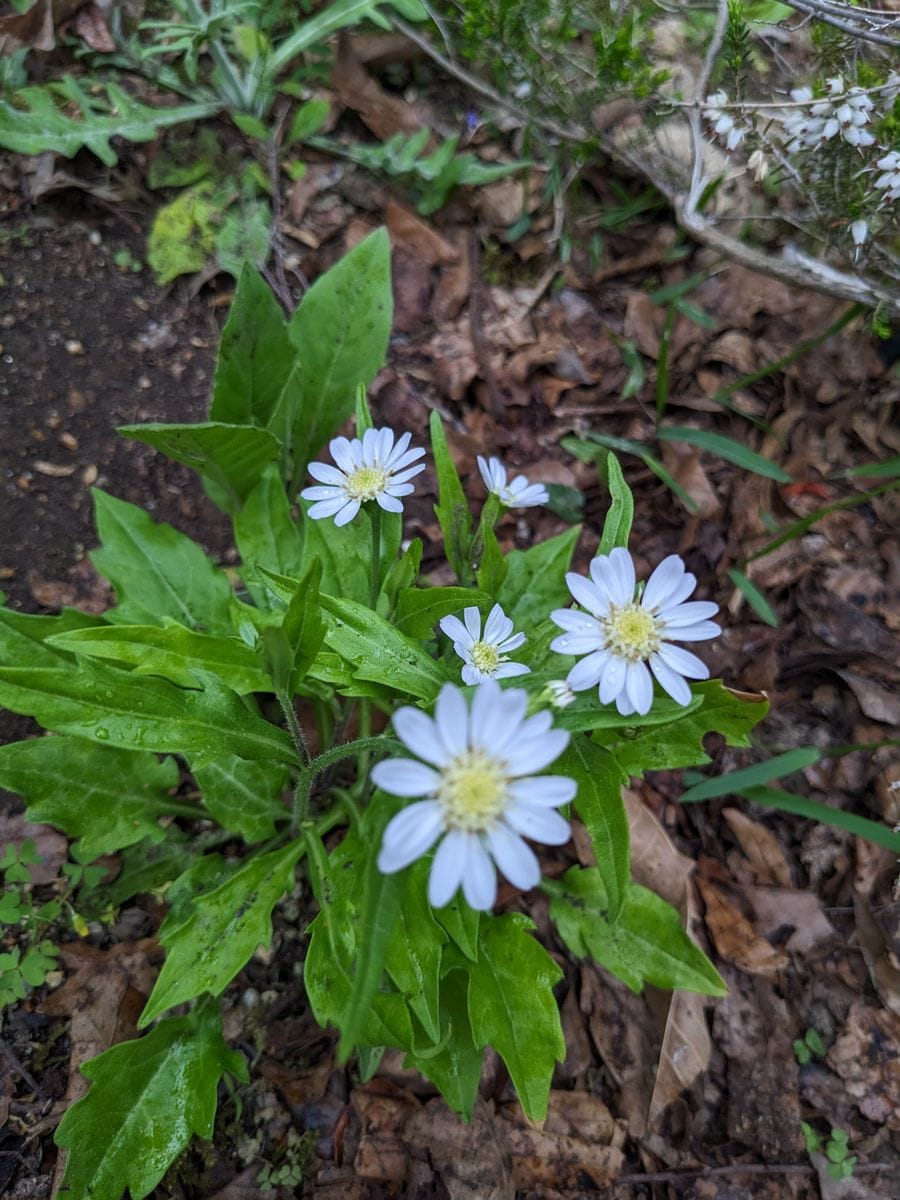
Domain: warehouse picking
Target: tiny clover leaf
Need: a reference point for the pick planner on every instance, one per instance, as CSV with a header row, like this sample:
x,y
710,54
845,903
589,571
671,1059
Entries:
x,y
147,1099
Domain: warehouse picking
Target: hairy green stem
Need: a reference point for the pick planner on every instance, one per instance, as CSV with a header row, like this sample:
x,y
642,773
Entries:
x,y
375,577
290,715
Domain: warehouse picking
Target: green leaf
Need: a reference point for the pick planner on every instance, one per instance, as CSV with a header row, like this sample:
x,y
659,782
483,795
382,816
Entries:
x,y
492,566
308,119
617,524
419,609
754,597
724,447
206,952
255,355
513,1009
346,554
148,1098
23,636
751,777
599,804
377,918
267,535
380,653
108,798
333,947
341,332
402,574
452,508
157,572
461,923
679,741
230,457
173,652
536,580
98,702
34,121
245,236
862,827
244,797
586,713
146,867
304,626
338,15
647,943
413,953
455,1068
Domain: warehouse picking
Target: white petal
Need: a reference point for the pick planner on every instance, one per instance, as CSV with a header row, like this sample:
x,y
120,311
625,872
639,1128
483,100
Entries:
x,y
479,881
624,569
389,503
497,626
397,449
575,622
451,716
683,661
587,594
324,492
408,473
403,777
399,462
398,489
471,675
419,734
530,497
696,633
347,513
578,643
370,443
612,681
347,455
508,670
454,629
527,757
409,835
662,582
639,687
586,674
517,861
542,824
494,726
511,643
326,508
687,614
544,791
472,620
326,473
670,681
623,704
605,579
447,869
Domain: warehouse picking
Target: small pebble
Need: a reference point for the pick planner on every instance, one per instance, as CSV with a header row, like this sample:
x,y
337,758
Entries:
x,y
89,475
95,238
69,441
144,383
73,346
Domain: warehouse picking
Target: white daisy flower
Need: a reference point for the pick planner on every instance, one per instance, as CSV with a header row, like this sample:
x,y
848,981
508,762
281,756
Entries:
x,y
518,494
480,792
485,655
622,637
373,468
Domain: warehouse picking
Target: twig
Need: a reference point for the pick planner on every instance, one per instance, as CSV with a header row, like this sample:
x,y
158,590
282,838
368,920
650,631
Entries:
x,y
856,22
22,1070
736,1169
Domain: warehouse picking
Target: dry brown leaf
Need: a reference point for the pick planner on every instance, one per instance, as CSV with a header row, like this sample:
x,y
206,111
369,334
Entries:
x,y
35,27
501,203
761,847
775,908
92,29
418,239
51,593
472,1159
455,284
385,115
735,938
569,1153
878,703
867,1058
878,955
684,464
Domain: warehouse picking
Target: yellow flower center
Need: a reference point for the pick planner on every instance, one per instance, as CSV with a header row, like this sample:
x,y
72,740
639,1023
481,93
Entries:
x,y
473,792
485,657
631,632
366,483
